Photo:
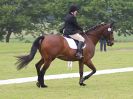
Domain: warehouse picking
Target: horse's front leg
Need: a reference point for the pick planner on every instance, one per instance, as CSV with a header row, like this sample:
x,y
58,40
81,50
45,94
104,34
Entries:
x,y
92,67
81,67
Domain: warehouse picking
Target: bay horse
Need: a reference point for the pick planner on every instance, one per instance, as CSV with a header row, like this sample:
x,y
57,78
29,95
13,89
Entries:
x,y
55,46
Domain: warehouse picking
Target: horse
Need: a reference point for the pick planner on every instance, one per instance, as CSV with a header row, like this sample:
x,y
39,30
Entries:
x,y
55,46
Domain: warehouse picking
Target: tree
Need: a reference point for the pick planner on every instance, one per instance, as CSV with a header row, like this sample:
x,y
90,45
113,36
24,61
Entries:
x,y
122,13
18,15
12,18
119,11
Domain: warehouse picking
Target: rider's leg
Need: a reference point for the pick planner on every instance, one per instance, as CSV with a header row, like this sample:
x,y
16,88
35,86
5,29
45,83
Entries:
x,y
80,44
79,50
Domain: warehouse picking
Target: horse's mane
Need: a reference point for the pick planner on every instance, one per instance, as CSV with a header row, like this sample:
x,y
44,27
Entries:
x,y
95,27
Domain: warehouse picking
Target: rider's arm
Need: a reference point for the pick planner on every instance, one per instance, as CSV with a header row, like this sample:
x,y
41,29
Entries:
x,y
74,22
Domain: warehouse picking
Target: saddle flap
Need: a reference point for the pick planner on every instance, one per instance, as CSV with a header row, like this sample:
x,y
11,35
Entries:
x,y
72,43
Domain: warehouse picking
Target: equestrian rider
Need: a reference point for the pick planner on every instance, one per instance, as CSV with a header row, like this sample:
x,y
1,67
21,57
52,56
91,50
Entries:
x,y
72,29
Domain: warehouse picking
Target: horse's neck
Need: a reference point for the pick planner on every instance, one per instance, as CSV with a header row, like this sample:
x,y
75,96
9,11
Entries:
x,y
95,36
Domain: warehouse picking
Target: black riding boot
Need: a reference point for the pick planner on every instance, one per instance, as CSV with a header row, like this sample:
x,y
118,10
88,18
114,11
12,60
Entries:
x,y
79,50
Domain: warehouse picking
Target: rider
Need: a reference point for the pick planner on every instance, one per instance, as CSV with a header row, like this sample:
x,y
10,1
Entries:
x,y
72,29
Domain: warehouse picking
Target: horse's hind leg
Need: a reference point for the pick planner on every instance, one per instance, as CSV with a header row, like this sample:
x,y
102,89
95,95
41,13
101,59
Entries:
x,y
43,71
38,66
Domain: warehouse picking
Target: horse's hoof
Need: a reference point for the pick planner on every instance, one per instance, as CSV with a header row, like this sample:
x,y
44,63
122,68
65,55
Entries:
x,y
44,86
41,86
82,84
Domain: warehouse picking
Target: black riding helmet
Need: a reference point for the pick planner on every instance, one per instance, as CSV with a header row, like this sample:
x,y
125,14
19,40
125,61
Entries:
x,y
73,8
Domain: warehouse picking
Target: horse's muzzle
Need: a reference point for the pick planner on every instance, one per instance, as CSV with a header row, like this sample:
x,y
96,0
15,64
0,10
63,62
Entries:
x,y
110,43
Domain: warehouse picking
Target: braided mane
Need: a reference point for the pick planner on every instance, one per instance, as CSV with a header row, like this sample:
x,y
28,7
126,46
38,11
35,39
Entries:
x,y
95,27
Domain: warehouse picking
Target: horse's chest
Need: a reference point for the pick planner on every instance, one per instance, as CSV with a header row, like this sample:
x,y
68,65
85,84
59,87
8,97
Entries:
x,y
90,51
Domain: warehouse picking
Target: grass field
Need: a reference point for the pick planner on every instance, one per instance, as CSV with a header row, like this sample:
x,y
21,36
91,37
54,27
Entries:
x,y
118,56
112,86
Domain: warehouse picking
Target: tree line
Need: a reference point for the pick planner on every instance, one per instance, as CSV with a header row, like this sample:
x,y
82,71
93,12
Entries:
x,y
44,15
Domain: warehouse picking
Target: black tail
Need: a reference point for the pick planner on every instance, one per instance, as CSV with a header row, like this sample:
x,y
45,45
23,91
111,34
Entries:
x,y
25,60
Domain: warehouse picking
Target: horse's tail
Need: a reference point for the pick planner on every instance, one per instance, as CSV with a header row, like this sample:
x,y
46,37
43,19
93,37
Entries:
x,y
25,60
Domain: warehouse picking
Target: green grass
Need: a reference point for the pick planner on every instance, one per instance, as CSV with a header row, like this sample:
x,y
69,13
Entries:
x,y
112,86
122,38
118,56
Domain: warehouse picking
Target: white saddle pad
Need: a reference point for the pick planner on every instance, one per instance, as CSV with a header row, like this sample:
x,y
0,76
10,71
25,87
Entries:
x,y
72,43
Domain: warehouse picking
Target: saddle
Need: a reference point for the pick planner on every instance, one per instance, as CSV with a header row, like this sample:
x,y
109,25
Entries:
x,y
72,42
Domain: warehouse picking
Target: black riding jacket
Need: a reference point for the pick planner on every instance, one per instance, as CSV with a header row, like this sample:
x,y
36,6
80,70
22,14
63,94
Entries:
x,y
71,26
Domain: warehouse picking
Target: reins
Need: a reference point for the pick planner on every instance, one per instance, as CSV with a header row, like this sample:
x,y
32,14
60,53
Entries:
x,y
85,35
